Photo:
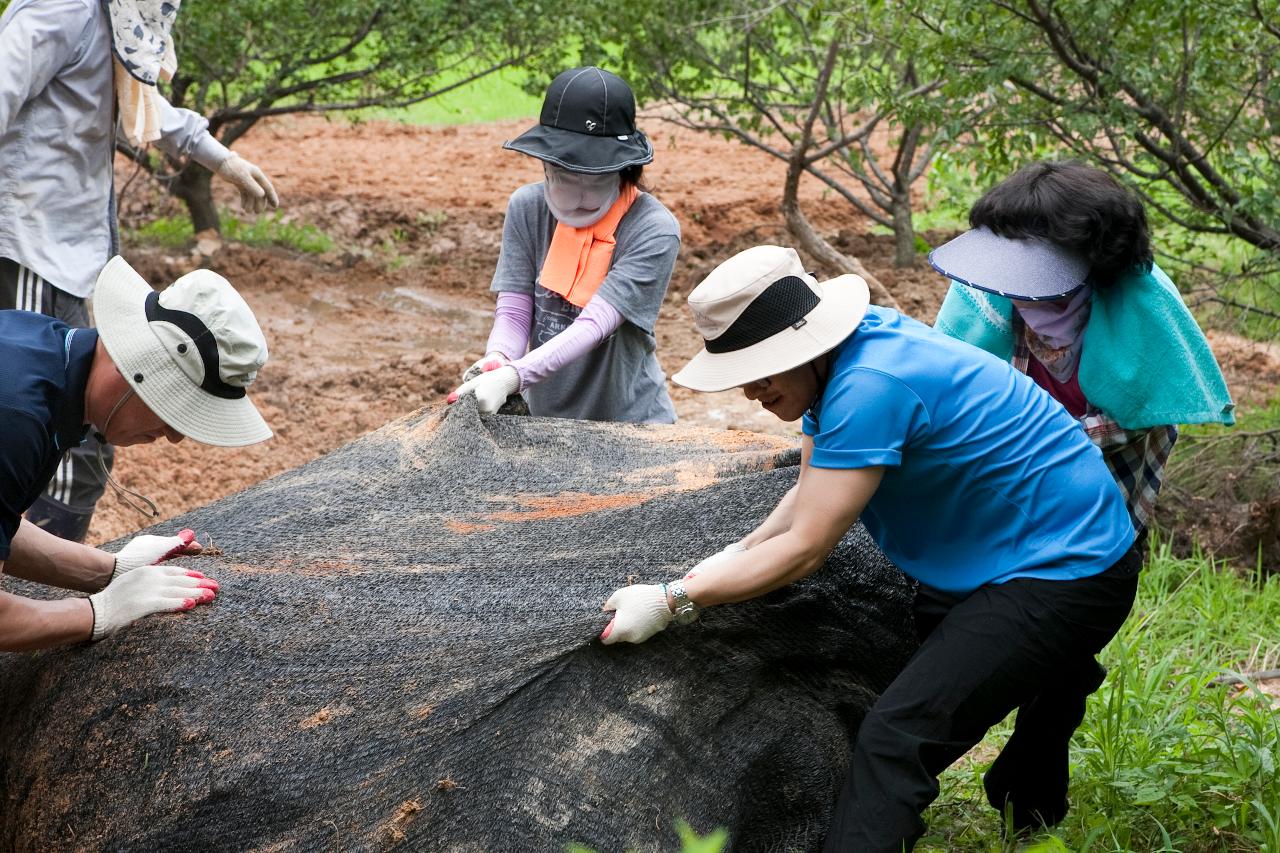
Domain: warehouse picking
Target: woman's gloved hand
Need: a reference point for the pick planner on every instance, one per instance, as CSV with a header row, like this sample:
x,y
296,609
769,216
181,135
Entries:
x,y
491,389
639,612
148,590
491,361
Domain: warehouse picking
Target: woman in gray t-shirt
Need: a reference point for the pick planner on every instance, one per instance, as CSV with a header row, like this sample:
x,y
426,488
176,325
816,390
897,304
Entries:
x,y
585,262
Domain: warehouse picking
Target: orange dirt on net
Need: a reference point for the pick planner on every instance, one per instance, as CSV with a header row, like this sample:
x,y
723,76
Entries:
x,y
319,718
393,830
569,504
465,527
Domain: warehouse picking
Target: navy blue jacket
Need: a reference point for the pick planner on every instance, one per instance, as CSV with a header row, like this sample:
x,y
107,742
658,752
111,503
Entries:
x,y
44,367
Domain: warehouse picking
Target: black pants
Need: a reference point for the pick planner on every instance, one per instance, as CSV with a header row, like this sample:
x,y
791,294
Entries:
x,y
66,507
1027,644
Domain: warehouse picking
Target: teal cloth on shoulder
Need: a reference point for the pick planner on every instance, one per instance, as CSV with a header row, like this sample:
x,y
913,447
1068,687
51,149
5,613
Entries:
x,y
1145,361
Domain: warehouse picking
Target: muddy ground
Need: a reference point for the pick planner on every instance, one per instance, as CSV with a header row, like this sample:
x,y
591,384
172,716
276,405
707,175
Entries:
x,y
386,321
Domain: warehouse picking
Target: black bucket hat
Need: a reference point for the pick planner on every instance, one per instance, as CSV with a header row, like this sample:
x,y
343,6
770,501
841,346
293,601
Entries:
x,y
588,125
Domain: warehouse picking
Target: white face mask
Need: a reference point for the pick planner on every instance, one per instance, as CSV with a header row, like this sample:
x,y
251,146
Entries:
x,y
579,200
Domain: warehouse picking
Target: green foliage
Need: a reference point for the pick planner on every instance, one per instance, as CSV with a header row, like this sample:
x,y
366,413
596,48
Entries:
x,y
1166,759
690,841
841,86
242,61
175,232
1179,96
498,96
170,232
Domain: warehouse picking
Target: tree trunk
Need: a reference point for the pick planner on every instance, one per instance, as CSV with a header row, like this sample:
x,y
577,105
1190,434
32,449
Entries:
x,y
814,243
904,231
193,186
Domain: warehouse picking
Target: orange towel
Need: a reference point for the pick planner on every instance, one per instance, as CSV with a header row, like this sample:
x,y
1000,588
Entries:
x,y
578,259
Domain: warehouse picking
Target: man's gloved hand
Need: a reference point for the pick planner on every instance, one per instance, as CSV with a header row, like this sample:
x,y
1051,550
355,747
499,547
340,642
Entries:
x,y
717,558
491,361
148,550
256,192
491,389
639,612
150,589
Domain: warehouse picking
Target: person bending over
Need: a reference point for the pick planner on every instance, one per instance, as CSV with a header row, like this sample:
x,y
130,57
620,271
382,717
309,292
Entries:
x,y
166,365
1057,278
971,479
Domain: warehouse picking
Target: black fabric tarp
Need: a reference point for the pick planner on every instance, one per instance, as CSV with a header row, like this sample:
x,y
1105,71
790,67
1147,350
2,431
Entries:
x,y
404,654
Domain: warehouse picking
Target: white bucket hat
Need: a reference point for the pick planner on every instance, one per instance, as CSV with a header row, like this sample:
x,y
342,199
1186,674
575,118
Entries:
x,y
188,352
759,314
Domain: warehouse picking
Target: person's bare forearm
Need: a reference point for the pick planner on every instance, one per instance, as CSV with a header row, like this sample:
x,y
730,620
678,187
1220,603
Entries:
x,y
774,563
778,522
26,624
39,556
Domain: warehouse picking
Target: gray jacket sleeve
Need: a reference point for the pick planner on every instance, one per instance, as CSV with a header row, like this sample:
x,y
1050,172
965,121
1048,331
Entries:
x,y
37,39
184,133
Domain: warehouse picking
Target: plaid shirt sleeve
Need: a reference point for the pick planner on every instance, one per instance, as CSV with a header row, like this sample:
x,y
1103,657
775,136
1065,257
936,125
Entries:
x,y
1136,458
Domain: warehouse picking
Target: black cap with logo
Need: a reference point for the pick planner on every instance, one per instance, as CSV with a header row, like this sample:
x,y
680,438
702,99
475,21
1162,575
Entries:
x,y
588,124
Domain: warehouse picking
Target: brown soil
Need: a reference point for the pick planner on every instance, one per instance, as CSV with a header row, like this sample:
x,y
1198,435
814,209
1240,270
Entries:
x,y
386,322
567,505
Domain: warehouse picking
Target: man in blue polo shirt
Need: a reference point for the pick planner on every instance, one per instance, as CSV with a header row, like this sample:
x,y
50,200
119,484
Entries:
x,y
159,365
971,479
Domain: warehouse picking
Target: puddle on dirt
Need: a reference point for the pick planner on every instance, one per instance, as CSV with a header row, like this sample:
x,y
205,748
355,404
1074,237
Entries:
x,y
444,309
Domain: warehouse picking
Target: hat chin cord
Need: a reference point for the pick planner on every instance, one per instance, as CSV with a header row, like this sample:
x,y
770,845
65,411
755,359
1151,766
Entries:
x,y
141,503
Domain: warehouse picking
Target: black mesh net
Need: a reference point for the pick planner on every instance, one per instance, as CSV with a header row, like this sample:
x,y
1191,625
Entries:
x,y
404,654
781,304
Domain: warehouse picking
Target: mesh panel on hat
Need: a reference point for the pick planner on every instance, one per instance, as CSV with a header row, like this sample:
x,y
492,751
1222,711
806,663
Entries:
x,y
781,304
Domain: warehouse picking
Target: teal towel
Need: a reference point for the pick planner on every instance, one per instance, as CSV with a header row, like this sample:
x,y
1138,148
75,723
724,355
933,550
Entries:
x,y
1145,362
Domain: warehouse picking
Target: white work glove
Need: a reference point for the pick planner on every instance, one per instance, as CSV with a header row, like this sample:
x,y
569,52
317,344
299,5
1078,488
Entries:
x,y
256,192
491,361
491,389
717,558
639,612
148,550
150,589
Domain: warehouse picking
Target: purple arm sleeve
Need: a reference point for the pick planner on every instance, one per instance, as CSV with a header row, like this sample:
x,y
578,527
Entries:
x,y
597,321
512,324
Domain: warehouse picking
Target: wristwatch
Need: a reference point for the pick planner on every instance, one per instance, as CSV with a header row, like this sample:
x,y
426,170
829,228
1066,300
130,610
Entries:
x,y
685,610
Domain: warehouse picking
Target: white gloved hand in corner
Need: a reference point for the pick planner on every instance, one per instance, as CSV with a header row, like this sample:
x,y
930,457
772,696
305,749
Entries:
x,y
150,589
639,612
149,550
716,559
491,361
256,192
491,389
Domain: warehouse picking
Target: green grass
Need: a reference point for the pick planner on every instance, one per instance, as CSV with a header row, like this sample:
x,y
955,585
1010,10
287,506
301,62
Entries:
x,y
174,232
495,97
1165,760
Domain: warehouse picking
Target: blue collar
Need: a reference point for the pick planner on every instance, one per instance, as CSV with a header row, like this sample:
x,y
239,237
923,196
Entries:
x,y
69,427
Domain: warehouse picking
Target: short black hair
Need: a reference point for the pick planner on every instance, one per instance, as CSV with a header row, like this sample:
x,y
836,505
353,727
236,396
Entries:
x,y
1077,207
634,176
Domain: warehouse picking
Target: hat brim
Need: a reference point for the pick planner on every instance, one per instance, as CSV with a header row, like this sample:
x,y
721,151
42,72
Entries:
x,y
1027,269
119,307
843,304
583,152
